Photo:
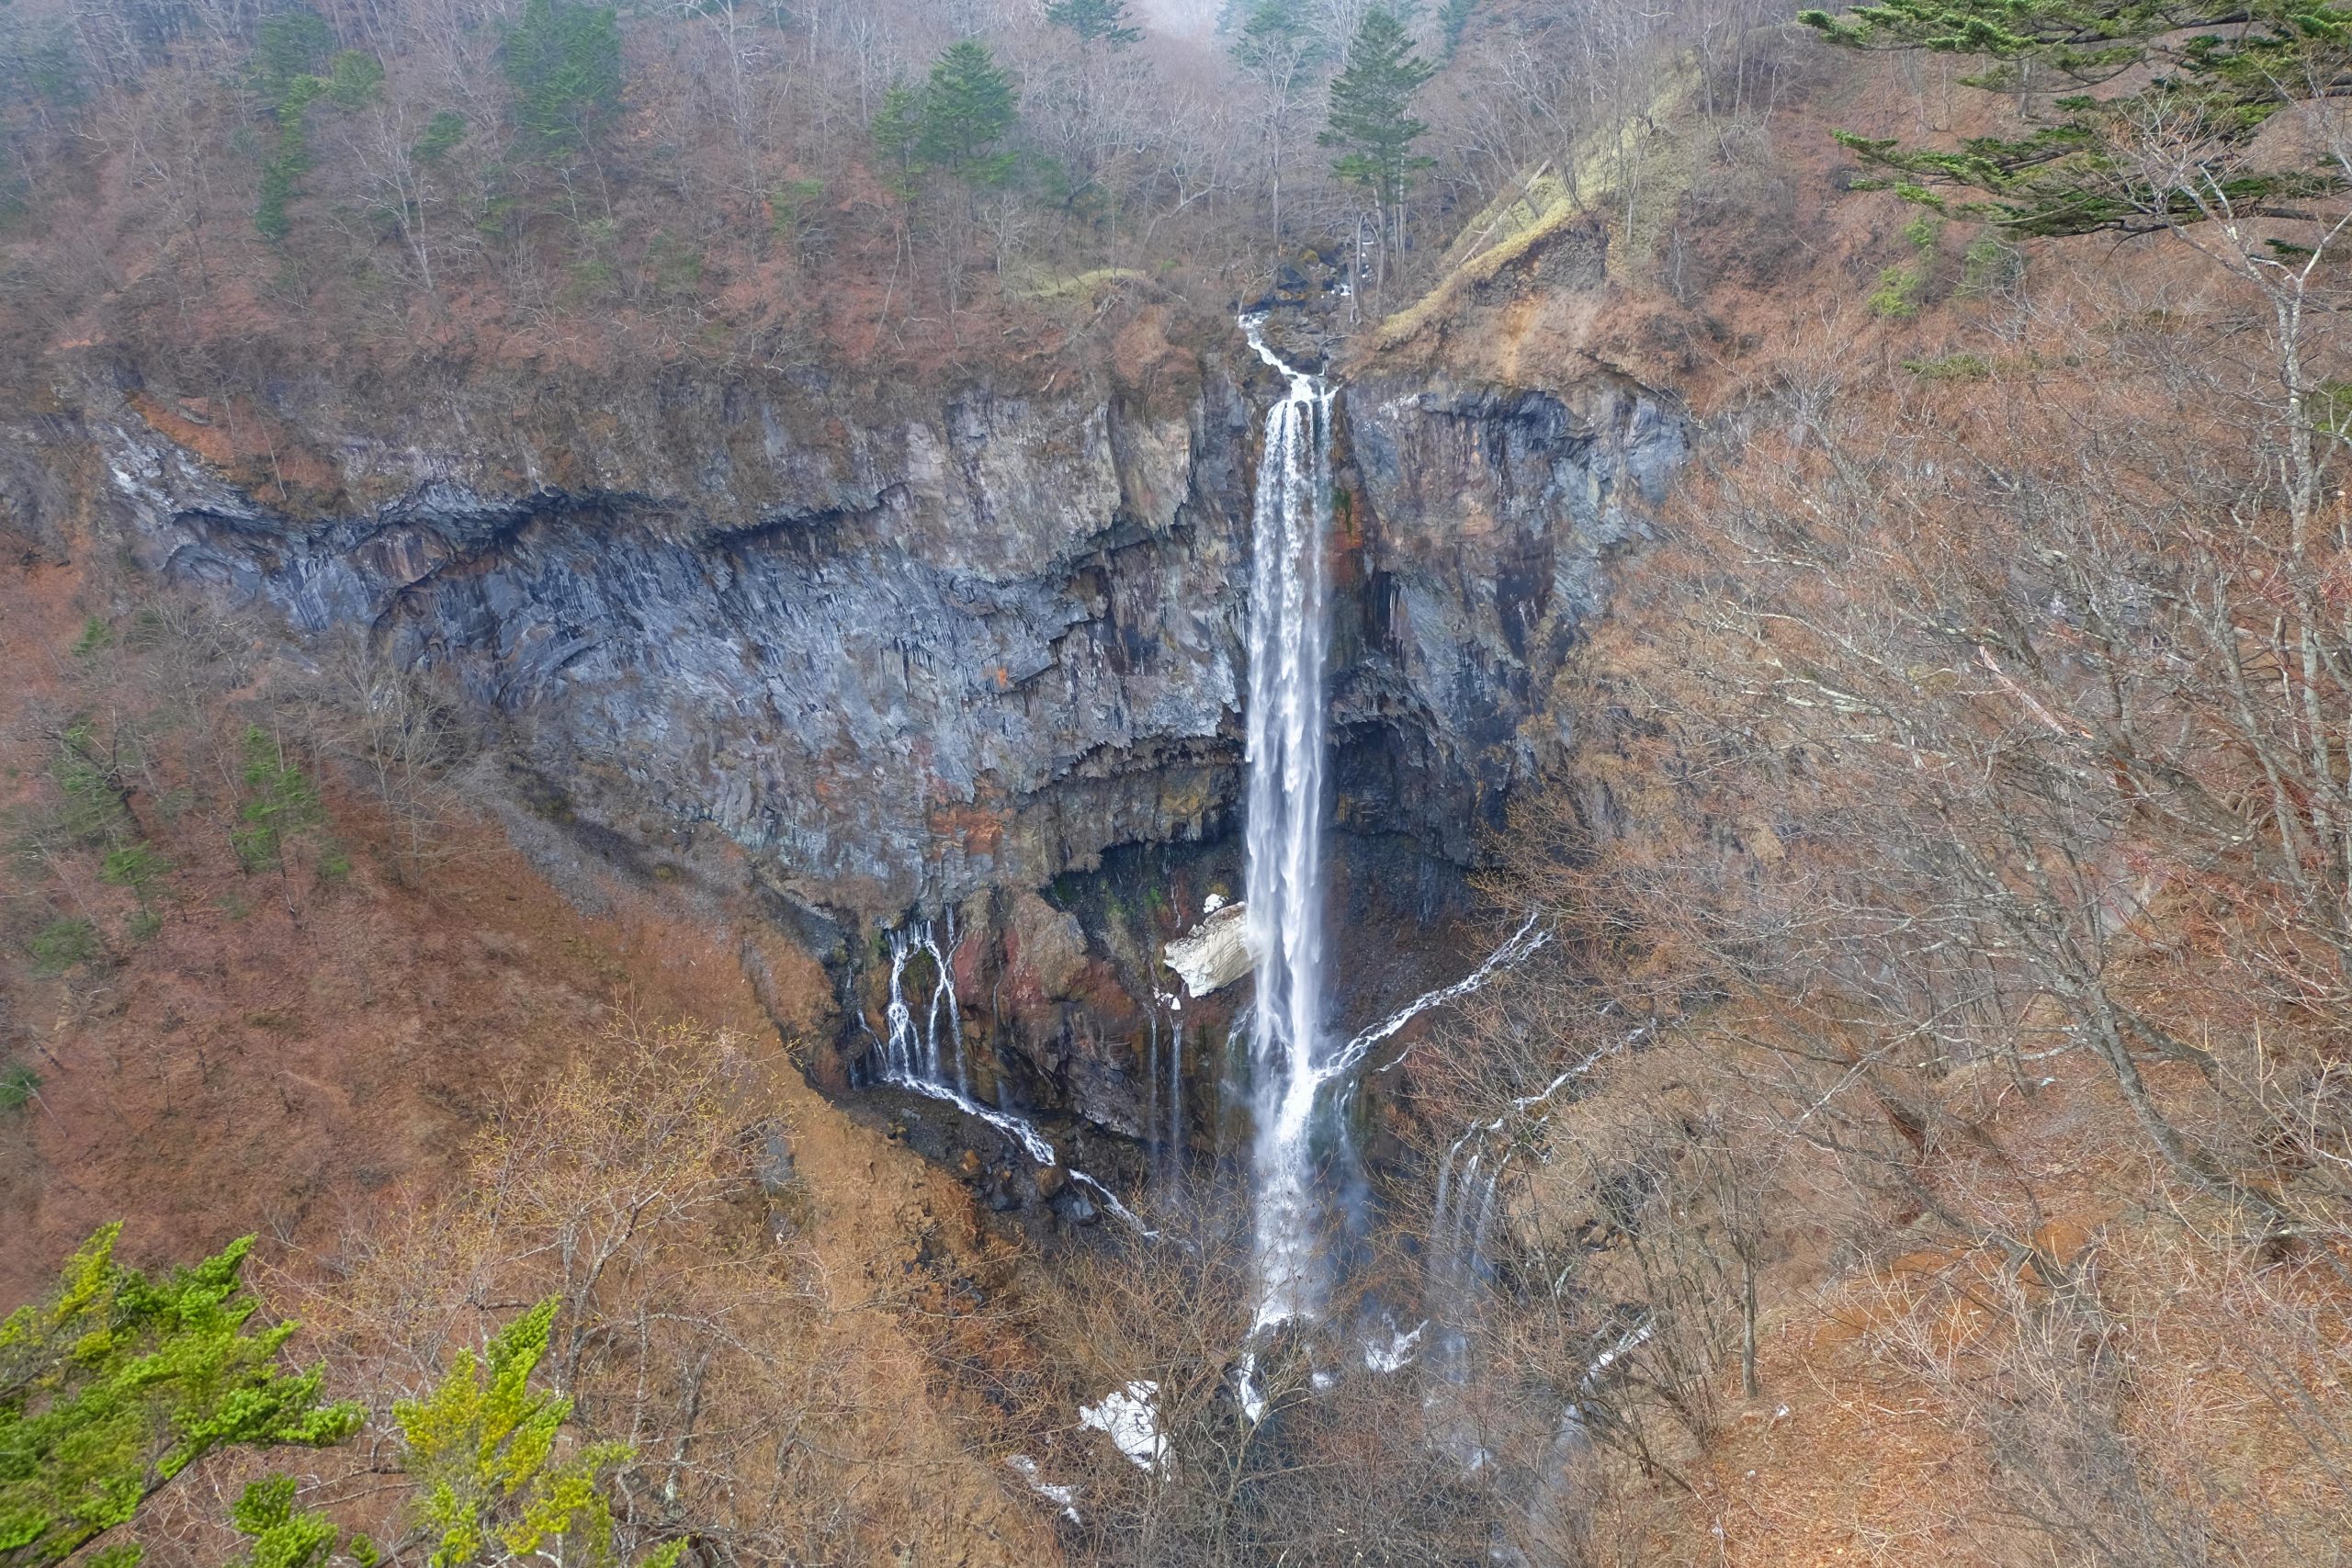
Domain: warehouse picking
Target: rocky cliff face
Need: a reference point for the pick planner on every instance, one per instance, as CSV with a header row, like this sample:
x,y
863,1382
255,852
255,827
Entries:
x,y
970,648
1491,518
910,660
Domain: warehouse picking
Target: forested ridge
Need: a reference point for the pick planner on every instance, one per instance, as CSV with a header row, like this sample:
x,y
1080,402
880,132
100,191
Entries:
x,y
766,185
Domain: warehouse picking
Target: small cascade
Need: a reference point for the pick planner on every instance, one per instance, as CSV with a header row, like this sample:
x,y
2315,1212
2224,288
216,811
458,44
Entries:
x,y
1176,1099
1163,1111
911,1057
1457,1266
947,988
1284,870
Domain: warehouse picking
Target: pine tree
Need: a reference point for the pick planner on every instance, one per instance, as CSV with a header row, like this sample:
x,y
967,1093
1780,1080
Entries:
x,y
287,50
1275,39
2210,73
897,131
967,107
1095,21
118,1382
1371,102
564,64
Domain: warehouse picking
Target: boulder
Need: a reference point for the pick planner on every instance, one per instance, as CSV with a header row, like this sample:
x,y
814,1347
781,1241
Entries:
x,y
1215,952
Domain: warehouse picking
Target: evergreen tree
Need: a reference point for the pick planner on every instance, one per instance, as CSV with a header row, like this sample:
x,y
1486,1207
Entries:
x,y
897,131
1452,21
118,1382
1095,21
288,50
967,107
1371,102
564,64
1274,38
2210,73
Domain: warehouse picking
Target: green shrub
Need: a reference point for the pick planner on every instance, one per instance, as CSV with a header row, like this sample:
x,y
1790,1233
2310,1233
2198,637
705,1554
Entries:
x,y
1950,367
94,812
1897,295
95,639
62,945
136,866
563,67
143,925
287,51
792,204
17,1085
281,802
1989,266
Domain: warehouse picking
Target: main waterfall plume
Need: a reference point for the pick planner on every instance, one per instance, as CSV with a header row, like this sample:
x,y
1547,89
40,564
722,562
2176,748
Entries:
x,y
1285,873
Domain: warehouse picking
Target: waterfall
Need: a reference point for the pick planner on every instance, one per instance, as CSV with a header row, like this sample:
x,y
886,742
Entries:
x,y
1164,1097
912,1059
1176,1101
1284,870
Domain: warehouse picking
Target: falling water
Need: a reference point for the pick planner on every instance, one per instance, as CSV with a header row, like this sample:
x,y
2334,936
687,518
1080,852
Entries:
x,y
1285,871
1176,1100
912,1058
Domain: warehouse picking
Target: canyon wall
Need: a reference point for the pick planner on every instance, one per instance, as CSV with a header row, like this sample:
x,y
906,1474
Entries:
x,y
932,656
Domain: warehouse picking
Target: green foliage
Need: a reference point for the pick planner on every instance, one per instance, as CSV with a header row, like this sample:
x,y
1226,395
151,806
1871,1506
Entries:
x,y
967,108
283,72
1095,21
62,945
793,204
136,866
281,802
1452,21
143,925
94,812
482,1448
1275,41
117,1382
897,131
675,268
1897,295
286,47
443,133
1989,268
1372,101
2201,77
19,1083
1950,367
563,66
1896,298
95,639
284,1535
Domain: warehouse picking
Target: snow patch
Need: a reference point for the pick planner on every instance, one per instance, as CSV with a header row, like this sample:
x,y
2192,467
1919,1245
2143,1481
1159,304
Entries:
x,y
1129,1417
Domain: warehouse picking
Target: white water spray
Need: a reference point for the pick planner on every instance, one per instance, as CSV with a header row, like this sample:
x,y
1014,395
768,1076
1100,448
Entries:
x,y
1287,640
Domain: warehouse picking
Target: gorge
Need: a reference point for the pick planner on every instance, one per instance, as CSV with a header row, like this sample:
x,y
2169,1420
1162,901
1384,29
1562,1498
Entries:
x,y
1024,654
